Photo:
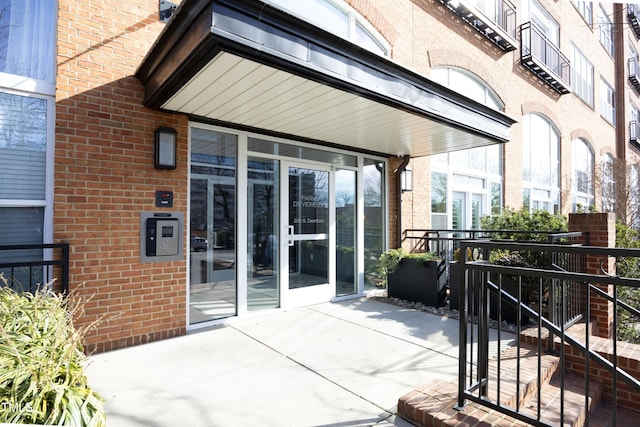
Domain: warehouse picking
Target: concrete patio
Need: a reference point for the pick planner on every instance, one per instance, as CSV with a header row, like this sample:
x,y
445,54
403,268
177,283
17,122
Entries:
x,y
334,364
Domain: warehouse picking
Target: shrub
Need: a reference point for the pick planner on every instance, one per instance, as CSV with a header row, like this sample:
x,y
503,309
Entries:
x,y
627,324
42,377
389,260
525,225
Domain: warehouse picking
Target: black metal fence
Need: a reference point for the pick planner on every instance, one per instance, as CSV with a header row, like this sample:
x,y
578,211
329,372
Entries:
x,y
487,285
28,268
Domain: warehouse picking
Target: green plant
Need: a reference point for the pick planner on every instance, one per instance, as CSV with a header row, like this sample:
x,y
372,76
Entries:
x,y
627,329
524,225
42,377
389,260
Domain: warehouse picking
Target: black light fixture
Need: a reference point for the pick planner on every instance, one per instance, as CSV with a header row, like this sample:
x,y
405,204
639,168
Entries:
x,y
406,180
165,148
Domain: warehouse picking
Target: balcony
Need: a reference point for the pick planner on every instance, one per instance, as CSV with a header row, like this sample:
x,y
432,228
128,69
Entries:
x,y
633,15
494,20
544,59
634,134
634,73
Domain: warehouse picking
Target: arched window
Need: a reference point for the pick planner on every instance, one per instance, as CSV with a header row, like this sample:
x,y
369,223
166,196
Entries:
x,y
540,164
582,160
339,18
468,84
466,184
608,184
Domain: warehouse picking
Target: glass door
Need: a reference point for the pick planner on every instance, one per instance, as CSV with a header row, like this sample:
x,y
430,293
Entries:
x,y
306,258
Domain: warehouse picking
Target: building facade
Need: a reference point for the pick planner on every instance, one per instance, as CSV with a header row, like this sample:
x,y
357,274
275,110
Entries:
x,y
228,158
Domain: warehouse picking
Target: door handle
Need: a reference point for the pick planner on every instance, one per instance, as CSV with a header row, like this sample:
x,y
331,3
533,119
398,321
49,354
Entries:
x,y
290,231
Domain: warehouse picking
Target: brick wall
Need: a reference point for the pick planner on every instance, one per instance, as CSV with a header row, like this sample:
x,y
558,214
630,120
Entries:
x,y
602,232
104,174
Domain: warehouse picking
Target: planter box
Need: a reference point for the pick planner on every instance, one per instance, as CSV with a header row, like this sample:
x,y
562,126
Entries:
x,y
419,282
509,311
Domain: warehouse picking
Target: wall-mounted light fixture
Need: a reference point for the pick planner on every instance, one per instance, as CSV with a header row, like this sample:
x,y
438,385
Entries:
x,y
406,180
165,148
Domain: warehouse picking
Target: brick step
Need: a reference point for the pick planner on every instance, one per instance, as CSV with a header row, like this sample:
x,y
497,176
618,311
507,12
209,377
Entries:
x,y
602,416
511,392
433,404
576,410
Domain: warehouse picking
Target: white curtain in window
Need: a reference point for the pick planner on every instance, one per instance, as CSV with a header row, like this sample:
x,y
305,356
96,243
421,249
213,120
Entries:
x,y
28,38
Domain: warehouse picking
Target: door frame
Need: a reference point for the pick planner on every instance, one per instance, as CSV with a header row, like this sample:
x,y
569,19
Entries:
x,y
316,294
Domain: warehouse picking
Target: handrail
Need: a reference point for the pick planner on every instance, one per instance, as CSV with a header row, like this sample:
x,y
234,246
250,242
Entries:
x,y
475,389
30,271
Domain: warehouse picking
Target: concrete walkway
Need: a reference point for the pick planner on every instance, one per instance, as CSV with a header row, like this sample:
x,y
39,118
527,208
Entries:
x,y
334,364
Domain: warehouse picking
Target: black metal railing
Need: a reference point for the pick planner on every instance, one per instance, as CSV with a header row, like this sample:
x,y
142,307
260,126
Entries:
x,y
445,242
634,133
544,59
495,20
28,268
485,287
633,15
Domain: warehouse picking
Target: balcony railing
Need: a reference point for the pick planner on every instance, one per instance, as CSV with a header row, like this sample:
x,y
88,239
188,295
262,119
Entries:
x,y
633,15
634,133
28,268
495,20
634,73
544,59
523,371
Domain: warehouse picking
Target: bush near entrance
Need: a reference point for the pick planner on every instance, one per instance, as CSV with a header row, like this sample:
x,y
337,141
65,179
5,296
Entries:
x,y
42,377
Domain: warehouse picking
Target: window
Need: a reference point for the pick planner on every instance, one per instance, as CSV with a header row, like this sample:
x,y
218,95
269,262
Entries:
x,y
608,184
606,31
535,13
586,10
27,89
339,18
582,160
540,164
468,84
607,102
466,184
27,39
581,76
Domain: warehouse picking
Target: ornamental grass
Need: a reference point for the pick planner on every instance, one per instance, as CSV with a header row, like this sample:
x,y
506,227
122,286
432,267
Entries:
x,y
42,361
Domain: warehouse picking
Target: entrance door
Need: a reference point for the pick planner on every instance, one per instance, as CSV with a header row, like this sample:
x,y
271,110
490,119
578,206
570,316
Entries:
x,y
305,256
467,209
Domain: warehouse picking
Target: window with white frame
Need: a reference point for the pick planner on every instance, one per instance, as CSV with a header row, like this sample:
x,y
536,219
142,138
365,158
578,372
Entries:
x,y
582,183
27,100
608,184
581,76
473,175
586,10
606,31
339,18
607,102
534,12
541,164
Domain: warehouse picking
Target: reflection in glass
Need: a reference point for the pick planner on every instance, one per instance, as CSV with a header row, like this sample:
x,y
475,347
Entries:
x,y
212,281
374,236
345,232
263,203
309,220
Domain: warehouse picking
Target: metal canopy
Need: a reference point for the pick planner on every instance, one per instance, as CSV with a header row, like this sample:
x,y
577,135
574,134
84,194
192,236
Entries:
x,y
246,64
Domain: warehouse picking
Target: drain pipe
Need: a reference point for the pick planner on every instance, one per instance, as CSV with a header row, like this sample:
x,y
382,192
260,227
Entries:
x,y
397,173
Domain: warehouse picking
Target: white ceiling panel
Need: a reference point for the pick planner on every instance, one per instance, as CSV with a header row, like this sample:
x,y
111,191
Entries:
x,y
236,90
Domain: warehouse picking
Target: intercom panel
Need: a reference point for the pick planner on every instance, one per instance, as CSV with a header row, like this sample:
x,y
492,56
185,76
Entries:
x,y
160,236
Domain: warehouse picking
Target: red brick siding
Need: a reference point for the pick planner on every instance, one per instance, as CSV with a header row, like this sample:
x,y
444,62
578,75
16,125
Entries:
x,y
104,174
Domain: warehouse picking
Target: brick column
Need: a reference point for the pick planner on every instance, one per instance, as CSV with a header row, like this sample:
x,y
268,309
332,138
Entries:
x,y
602,232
